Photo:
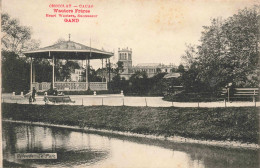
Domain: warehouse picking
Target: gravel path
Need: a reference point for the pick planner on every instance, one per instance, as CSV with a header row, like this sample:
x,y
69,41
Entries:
x,y
119,100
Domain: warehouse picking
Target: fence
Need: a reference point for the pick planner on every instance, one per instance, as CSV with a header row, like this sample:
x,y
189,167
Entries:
x,y
132,101
70,86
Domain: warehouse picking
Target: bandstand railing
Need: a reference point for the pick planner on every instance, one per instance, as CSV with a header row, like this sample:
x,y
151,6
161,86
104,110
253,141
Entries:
x,y
70,86
41,86
98,86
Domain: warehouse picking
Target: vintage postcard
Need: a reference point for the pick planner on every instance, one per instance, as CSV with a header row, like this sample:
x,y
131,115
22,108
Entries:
x,y
130,84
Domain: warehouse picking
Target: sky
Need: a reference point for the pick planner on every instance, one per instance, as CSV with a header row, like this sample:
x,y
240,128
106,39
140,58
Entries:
x,y
156,30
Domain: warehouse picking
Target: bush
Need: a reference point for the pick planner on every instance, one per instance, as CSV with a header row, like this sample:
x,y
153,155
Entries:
x,y
193,97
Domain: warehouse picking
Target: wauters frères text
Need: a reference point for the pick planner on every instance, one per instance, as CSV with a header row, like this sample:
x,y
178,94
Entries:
x,y
71,13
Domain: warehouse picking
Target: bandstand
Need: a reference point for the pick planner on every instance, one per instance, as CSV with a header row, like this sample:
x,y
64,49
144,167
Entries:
x,y
67,50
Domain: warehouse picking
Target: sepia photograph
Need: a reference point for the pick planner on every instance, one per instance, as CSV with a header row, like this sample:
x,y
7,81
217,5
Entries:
x,y
130,84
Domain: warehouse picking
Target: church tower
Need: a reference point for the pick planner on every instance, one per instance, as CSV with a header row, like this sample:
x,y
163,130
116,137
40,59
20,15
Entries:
x,y
125,56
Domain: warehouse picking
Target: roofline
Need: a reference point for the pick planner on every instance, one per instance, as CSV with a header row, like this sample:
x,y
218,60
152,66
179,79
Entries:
x,y
69,41
93,50
61,50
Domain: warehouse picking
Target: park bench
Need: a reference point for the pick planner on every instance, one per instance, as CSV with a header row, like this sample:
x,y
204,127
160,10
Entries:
x,y
243,93
59,99
246,92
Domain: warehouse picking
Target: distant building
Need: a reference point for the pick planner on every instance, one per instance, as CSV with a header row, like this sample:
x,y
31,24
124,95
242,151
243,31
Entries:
x,y
153,68
77,75
125,56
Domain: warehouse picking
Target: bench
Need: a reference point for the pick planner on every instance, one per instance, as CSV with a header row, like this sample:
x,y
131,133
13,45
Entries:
x,y
243,93
58,99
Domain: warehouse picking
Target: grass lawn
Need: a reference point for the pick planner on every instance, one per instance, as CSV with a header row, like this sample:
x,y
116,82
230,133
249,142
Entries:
x,y
232,123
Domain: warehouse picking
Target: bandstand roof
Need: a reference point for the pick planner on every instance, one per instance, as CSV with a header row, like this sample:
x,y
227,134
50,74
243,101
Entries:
x,y
68,50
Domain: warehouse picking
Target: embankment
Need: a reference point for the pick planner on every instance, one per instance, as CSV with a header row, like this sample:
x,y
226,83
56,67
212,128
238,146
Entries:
x,y
233,123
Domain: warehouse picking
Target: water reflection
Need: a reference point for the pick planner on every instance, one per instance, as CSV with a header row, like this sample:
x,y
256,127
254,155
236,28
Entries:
x,y
72,148
78,149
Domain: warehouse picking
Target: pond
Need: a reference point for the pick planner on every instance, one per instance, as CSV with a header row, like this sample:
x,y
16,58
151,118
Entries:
x,y
84,149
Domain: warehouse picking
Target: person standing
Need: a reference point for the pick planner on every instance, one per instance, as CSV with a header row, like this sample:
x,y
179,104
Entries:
x,y
55,91
33,94
30,99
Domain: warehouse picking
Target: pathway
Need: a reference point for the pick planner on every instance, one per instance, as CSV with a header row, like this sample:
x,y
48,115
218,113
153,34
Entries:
x,y
119,100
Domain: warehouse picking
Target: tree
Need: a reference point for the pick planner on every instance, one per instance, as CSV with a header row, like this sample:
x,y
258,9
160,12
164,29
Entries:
x,y
117,84
228,53
93,75
242,33
229,50
173,70
64,71
31,45
190,55
119,67
15,69
60,40
139,83
15,73
211,53
180,69
43,70
191,81
14,36
157,84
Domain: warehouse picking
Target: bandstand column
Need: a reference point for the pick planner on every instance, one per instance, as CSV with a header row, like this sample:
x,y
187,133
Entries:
x,y
86,73
109,69
106,73
53,68
31,75
102,70
55,62
90,54
106,70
